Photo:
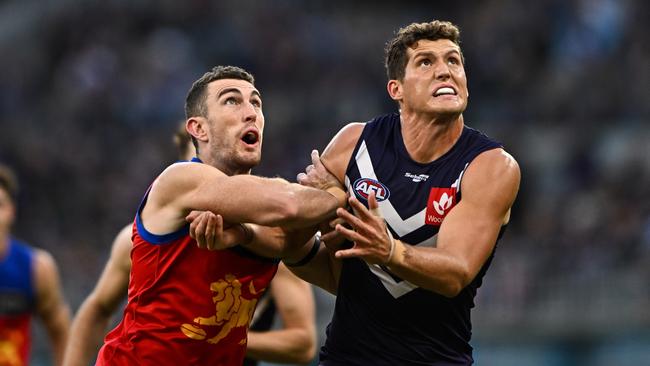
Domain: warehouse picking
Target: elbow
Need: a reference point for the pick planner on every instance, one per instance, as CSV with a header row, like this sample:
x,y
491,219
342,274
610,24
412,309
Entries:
x,y
285,211
453,286
305,357
307,352
291,210
450,290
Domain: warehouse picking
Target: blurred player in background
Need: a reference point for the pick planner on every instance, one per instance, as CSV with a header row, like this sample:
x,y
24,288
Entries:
x,y
289,296
29,284
187,305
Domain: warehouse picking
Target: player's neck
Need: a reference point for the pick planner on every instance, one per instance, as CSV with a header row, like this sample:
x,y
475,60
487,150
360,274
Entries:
x,y
226,168
426,139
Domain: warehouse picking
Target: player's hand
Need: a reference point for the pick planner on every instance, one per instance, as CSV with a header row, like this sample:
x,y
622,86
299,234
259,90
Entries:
x,y
210,232
368,232
317,176
331,238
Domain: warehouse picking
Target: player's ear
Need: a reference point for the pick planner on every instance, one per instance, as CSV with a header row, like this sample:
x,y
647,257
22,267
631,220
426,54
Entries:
x,y
197,127
394,88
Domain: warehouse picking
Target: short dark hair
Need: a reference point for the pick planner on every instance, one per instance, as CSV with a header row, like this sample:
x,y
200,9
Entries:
x,y
182,139
195,100
8,181
396,56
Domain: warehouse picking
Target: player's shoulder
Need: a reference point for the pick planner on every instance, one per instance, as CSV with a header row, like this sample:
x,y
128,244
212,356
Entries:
x,y
498,157
181,169
180,175
351,131
495,165
45,267
338,151
347,136
43,258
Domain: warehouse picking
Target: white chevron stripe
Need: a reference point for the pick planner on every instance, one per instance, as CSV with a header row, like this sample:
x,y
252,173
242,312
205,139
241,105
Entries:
x,y
397,289
400,226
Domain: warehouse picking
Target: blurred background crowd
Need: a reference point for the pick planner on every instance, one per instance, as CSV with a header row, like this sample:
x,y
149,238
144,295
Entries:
x,y
91,92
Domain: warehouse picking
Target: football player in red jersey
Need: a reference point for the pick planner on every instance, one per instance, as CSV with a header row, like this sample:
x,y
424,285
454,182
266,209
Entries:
x,y
288,296
187,305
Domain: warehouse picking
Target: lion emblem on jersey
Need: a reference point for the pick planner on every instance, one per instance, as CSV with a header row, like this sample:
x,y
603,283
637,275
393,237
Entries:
x,y
232,311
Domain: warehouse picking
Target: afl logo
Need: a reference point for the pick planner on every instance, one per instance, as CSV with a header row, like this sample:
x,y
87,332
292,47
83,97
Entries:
x,y
363,186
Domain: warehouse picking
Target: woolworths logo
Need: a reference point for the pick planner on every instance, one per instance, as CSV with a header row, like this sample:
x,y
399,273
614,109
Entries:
x,y
443,204
441,201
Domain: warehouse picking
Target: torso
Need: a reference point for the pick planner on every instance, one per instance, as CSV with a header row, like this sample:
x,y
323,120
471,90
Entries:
x,y
186,305
379,318
17,302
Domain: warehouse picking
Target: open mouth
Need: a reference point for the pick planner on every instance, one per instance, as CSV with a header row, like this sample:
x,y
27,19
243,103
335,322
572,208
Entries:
x,y
445,90
251,137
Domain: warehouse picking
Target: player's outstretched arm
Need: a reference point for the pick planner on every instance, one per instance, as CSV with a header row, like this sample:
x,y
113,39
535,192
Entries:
x,y
90,322
466,238
185,187
50,305
295,342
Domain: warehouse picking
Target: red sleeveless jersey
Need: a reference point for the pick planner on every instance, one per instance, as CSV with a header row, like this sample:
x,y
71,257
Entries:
x,y
186,306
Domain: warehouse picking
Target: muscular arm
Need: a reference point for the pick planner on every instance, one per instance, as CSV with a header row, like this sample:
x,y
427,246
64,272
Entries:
x,y
90,323
323,270
50,306
467,234
296,341
184,187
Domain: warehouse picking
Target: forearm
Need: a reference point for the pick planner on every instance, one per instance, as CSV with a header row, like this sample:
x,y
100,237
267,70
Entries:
x,y
273,242
313,206
57,329
264,201
430,268
322,270
88,330
292,345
